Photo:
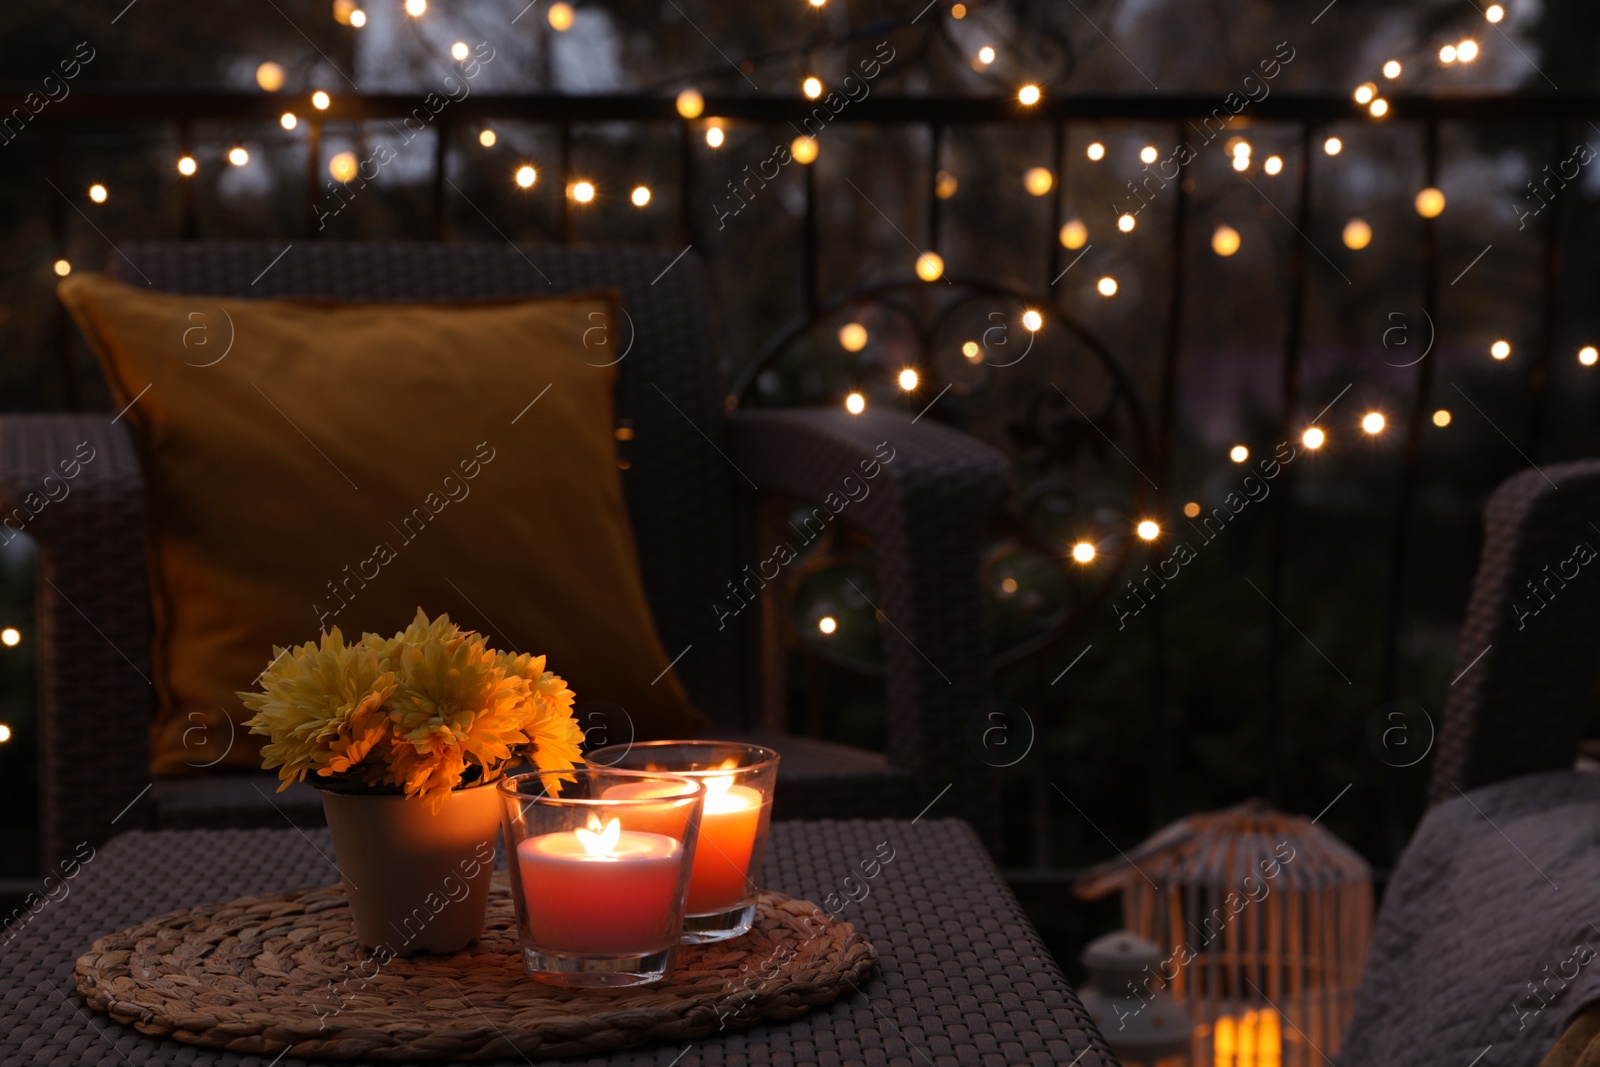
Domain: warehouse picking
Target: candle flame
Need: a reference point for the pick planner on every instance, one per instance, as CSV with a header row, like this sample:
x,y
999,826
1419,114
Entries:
x,y
717,787
598,842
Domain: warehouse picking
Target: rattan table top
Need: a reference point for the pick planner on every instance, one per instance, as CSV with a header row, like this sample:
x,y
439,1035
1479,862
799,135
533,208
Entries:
x,y
963,978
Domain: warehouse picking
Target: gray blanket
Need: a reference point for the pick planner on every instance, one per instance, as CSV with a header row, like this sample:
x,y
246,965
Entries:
x,y
1488,940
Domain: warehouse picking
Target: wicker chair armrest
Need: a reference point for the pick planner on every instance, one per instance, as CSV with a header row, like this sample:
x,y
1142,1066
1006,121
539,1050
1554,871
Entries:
x,y
926,493
1525,664
72,484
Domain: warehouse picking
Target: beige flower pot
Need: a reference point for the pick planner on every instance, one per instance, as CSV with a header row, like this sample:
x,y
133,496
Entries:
x,y
417,882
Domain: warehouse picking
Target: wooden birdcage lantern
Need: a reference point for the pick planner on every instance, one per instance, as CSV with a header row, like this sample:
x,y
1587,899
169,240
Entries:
x,y
1264,920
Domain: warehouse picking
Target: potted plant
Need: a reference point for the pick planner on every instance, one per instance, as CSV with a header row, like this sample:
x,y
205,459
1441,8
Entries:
x,y
405,737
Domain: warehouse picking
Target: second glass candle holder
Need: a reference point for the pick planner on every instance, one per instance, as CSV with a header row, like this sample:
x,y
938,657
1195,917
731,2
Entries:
x,y
739,781
600,863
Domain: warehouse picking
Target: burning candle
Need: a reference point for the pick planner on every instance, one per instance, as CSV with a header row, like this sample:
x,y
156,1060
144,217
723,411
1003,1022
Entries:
x,y
599,883
601,889
720,877
1255,1039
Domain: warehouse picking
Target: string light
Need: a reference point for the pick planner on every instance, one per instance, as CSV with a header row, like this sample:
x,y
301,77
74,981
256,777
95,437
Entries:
x,y
930,266
1241,163
1379,108
1500,350
358,18
1107,286
1083,552
320,100
487,138
1373,422
342,166
1038,181
1447,54
1032,320
1273,165
1430,202
1313,438
583,192
238,156
852,337
986,55
342,10
640,195
818,3
187,166
11,637
1148,530
1441,418
804,148
1029,95
827,624
908,379
1126,223
1332,146
97,193
1073,234
1238,453
958,11
1365,92
288,120
1148,154
1096,151
945,185
459,51
5,731
1391,69
690,103
62,268
526,176
855,403
971,350
812,87
561,17
1494,13
1191,509
1588,355
714,136
416,8
1467,50
270,77
1225,240
1357,234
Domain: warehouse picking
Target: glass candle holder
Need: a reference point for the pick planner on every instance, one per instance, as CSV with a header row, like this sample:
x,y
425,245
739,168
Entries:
x,y
599,880
739,780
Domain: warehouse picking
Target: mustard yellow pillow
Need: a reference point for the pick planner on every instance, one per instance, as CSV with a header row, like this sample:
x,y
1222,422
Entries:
x,y
314,464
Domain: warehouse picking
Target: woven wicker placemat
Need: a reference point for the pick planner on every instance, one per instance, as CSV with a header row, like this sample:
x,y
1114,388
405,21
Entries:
x,y
263,973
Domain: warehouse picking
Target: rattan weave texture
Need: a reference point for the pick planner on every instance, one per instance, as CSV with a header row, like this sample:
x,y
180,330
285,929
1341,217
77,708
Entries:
x,y
963,977
283,971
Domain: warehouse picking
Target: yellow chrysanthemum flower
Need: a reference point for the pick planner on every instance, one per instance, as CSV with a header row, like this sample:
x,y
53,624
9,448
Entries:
x,y
417,712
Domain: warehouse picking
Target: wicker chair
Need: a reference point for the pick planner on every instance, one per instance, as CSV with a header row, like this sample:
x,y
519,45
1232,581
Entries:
x,y
689,464
1471,912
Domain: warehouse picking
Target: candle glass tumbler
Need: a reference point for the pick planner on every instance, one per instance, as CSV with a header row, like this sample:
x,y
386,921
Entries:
x,y
732,846
599,880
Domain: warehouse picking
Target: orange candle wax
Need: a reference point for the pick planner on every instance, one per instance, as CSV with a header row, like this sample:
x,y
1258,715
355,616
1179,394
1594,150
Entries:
x,y
719,879
593,891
